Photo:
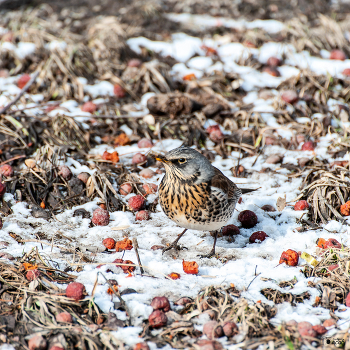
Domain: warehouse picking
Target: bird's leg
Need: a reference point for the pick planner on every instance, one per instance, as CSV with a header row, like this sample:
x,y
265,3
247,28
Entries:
x,y
212,252
174,244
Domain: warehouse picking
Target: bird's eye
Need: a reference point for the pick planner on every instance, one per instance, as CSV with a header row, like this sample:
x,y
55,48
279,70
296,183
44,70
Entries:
x,y
182,160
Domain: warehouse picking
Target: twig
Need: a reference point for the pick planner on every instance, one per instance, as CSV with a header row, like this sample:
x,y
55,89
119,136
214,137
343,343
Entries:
x,y
136,247
11,159
253,280
23,91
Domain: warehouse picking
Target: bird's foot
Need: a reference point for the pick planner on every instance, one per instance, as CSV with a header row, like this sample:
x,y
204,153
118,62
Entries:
x,y
173,245
211,254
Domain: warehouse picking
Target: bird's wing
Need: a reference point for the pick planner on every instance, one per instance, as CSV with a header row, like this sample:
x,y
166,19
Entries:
x,y
219,180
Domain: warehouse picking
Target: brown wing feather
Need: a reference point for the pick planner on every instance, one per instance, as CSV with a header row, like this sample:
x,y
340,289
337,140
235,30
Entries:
x,y
221,181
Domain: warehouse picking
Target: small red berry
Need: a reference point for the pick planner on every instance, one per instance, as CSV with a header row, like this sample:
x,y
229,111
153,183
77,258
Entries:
x,y
247,218
150,188
2,189
125,189
308,146
64,317
109,243
160,303
142,215
32,274
289,96
145,143
100,217
290,257
301,205
84,176
89,107
147,173
157,319
65,172
134,62
6,170
119,91
273,61
337,55
272,71
230,230
75,290
212,329
258,236
346,72
138,158
137,202
23,80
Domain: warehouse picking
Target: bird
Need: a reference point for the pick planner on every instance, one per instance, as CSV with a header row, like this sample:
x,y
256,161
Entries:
x,y
195,194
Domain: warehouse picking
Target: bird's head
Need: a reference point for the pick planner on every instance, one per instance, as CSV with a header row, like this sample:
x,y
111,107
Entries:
x,y
186,164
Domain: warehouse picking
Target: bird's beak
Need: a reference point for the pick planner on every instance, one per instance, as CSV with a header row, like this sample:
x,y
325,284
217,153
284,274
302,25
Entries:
x,y
158,157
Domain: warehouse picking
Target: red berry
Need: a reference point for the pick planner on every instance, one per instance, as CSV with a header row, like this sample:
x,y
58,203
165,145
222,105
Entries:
x,y
337,55
268,207
272,71
230,230
2,189
64,317
331,321
134,62
290,257
212,128
147,173
109,243
137,202
100,217
289,96
212,329
305,329
157,319
301,205
346,72
145,143
75,290
141,346
138,158
125,189
150,188
6,170
345,209
190,267
23,80
329,243
160,303
247,218
273,61
142,215
31,275
320,330
89,107
37,342
308,146
230,329
119,91
174,275
65,172
84,177
257,237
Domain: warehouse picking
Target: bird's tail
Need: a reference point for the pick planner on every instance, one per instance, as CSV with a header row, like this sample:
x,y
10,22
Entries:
x,y
248,190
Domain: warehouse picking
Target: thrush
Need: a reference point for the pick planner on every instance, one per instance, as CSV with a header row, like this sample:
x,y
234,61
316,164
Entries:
x,y
194,194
